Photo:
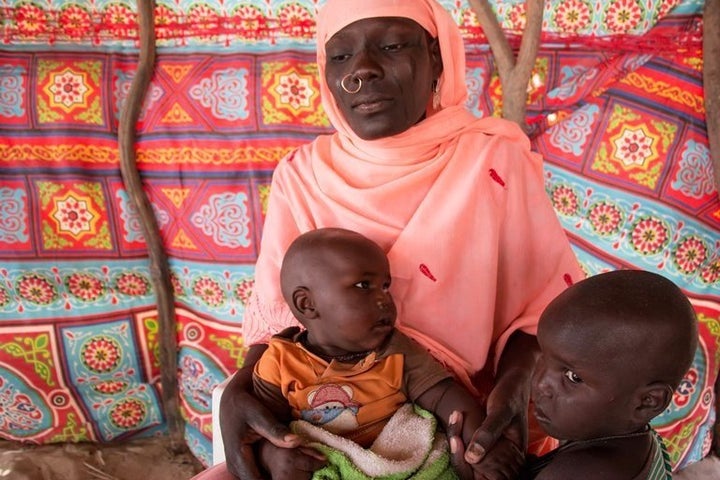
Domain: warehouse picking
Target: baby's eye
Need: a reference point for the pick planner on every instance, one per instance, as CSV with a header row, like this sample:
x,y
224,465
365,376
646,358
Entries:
x,y
364,284
572,376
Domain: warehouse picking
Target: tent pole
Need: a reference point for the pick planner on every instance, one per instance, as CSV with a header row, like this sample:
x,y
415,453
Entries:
x,y
159,268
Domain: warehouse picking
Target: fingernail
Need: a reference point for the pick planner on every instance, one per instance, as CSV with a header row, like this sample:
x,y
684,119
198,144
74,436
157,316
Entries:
x,y
474,454
290,437
453,444
454,417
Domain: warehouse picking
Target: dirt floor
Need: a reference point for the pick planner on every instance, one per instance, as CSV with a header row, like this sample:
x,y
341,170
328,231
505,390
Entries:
x,y
135,460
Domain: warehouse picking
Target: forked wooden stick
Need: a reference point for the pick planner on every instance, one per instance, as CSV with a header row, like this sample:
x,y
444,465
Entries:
x,y
514,73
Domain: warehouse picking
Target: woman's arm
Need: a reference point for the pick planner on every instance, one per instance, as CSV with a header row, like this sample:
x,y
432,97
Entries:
x,y
507,404
245,420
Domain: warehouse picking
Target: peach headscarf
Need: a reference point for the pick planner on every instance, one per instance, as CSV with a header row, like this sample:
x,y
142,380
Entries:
x,y
457,202
338,14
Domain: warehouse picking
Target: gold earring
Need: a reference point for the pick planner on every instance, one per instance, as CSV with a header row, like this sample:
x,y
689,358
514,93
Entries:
x,y
436,95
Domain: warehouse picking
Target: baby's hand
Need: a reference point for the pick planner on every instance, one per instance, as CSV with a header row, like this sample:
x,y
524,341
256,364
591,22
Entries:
x,y
502,462
290,463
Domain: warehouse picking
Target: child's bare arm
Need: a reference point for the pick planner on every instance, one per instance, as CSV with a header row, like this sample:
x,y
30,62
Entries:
x,y
502,461
449,396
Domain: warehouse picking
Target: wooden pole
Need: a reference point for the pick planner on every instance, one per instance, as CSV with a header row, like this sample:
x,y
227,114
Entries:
x,y
711,81
159,268
514,73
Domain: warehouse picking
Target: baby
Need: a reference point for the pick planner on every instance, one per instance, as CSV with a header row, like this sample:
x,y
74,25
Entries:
x,y
349,370
614,348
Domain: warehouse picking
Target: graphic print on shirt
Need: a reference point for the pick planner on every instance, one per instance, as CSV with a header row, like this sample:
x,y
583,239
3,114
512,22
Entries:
x,y
332,408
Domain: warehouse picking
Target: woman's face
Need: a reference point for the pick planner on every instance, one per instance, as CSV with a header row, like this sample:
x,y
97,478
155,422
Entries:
x,y
396,61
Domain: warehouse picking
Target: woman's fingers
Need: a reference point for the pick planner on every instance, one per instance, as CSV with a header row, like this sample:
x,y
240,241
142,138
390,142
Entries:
x,y
457,447
487,435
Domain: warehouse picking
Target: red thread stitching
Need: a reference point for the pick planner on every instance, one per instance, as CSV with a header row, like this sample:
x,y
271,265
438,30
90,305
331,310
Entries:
x,y
426,271
494,175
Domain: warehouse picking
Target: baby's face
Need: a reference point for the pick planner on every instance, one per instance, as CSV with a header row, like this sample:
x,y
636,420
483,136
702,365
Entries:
x,y
580,390
351,294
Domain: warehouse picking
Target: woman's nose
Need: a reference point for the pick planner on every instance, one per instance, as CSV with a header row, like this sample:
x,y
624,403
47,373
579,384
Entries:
x,y
365,65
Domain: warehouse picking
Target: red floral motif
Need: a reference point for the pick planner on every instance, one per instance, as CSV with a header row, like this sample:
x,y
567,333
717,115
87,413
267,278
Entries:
x,y
128,413
711,273
73,215
243,289
572,16
622,16
120,19
101,354
565,200
178,289
203,19
166,21
133,284
209,291
36,289
649,235
296,21
294,90
4,297
634,147
85,287
690,254
252,21
75,21
110,387
605,218
517,17
30,20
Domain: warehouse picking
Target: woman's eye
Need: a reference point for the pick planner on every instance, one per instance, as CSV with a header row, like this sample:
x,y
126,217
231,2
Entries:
x,y
339,58
572,376
386,286
393,47
363,284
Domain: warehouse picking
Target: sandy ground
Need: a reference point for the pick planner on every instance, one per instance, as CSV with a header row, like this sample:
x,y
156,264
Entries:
x,y
152,459
147,459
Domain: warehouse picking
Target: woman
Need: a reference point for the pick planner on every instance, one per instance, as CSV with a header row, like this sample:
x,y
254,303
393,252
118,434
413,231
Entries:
x,y
457,203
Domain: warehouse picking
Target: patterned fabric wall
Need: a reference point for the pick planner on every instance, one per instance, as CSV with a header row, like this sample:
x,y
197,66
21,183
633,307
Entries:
x,y
619,120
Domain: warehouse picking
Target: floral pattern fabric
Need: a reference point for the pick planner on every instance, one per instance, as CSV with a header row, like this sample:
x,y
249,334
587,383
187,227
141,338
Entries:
x,y
615,107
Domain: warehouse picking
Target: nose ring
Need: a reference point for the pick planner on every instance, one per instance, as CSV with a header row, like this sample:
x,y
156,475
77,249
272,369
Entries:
x,y
350,77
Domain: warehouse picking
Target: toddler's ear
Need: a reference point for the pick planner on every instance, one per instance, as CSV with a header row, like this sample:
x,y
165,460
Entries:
x,y
303,303
651,401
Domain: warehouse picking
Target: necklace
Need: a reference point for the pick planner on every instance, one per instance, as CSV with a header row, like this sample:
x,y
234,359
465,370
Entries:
x,y
590,441
350,357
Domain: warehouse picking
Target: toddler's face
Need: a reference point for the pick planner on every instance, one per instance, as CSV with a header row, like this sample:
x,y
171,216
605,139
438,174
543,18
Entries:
x,y
357,312
580,390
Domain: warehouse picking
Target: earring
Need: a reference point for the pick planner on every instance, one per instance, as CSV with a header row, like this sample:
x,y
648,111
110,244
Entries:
x,y
436,95
350,77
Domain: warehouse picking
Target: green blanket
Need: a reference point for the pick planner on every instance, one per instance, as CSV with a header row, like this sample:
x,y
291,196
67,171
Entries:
x,y
409,447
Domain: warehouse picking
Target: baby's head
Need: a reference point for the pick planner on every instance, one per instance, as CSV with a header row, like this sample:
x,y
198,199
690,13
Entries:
x,y
614,348
336,283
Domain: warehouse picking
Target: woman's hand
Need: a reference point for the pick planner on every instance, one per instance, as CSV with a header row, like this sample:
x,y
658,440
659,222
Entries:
x,y
508,402
289,463
245,420
502,461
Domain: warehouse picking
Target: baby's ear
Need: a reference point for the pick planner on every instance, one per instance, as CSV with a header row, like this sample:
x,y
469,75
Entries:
x,y
651,401
303,303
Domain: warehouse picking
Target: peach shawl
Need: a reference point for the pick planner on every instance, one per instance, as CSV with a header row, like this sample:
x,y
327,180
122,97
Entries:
x,y
458,204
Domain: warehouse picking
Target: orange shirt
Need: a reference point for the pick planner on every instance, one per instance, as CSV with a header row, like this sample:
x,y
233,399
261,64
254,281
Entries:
x,y
352,400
